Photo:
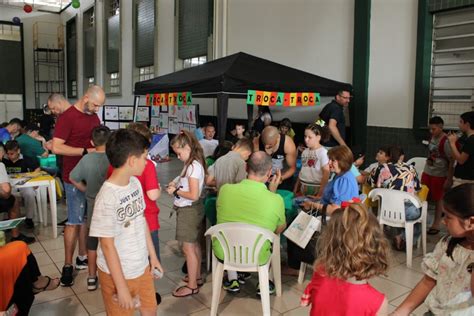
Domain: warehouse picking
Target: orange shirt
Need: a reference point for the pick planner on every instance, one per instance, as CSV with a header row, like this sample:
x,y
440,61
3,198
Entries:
x,y
13,258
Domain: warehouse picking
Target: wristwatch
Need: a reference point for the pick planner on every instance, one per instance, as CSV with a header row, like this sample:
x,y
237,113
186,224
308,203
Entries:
x,y
85,152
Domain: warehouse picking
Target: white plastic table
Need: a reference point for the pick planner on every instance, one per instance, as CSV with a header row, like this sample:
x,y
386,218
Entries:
x,y
50,185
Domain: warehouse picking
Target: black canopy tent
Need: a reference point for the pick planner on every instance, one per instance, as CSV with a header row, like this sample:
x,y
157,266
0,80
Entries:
x,y
233,76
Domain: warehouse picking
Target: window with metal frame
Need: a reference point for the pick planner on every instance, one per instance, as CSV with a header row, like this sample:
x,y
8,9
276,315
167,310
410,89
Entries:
x,y
89,46
452,67
194,27
145,73
113,43
195,61
71,56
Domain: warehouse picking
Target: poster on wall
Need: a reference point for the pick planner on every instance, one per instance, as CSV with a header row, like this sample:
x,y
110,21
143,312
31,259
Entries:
x,y
180,126
123,124
112,125
173,111
163,108
173,127
125,113
189,115
163,119
111,113
155,111
143,114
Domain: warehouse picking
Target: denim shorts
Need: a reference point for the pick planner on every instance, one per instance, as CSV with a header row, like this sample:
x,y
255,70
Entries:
x,y
76,205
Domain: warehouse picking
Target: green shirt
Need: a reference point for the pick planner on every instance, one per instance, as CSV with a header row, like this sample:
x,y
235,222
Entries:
x,y
250,202
91,169
30,147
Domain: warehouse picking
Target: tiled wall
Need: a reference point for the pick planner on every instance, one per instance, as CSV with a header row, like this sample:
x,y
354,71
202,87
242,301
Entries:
x,y
438,5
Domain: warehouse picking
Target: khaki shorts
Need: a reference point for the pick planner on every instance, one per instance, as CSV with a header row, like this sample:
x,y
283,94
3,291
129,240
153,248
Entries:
x,y
142,286
189,223
458,181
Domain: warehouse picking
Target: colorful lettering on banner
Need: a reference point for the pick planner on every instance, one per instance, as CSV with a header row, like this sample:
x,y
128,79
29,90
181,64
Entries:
x,y
251,95
272,98
172,98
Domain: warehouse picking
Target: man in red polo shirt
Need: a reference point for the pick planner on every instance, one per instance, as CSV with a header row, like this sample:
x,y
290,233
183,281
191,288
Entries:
x,y
72,140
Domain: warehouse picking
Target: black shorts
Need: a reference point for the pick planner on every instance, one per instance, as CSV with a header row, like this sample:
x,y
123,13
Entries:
x,y
7,204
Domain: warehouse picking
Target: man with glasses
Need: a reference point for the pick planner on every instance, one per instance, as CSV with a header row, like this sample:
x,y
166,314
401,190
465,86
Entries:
x,y
72,140
333,115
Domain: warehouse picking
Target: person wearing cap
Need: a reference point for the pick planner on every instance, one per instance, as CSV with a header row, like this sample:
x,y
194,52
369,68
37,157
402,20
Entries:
x,y
30,145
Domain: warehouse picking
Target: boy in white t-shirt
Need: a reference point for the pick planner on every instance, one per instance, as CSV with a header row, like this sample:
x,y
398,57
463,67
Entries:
x,y
126,256
208,143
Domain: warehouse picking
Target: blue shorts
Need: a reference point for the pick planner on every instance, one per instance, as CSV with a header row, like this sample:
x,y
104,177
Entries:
x,y
76,205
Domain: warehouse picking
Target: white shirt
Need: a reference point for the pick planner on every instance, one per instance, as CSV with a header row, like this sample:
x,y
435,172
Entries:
x,y
3,174
208,146
119,213
312,163
196,171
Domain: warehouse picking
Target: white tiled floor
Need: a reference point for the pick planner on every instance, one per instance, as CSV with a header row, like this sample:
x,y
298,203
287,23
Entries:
x,y
78,301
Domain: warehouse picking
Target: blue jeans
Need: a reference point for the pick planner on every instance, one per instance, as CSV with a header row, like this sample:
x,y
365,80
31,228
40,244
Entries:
x,y
412,213
76,205
155,237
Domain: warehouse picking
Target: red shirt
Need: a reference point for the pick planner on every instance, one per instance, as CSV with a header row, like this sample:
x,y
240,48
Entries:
x,y
75,128
332,296
149,181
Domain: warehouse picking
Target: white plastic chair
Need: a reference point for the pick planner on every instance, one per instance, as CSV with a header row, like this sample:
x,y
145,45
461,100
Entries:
x,y
392,213
303,265
419,163
241,244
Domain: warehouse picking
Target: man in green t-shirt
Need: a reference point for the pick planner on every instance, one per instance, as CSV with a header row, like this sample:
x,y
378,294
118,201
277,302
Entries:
x,y
251,202
30,146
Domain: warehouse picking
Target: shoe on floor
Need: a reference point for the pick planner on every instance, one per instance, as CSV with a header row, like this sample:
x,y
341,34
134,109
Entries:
x,y
184,268
29,223
158,298
232,286
271,287
67,278
92,283
26,239
242,276
81,264
63,223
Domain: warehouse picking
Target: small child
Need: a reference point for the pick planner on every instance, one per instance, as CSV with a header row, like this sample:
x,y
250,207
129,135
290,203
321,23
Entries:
x,y
187,189
285,128
16,163
314,173
464,170
381,157
436,169
126,256
88,176
351,250
446,286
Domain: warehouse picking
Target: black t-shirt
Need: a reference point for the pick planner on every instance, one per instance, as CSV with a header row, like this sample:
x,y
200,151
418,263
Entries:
x,y
466,170
21,165
334,111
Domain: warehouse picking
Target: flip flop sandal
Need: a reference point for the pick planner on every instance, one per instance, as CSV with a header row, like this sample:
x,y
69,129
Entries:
x,y
193,291
200,281
433,231
46,287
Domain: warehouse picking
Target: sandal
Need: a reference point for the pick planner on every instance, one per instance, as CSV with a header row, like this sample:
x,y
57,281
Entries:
x,y
200,281
48,287
399,245
433,231
193,291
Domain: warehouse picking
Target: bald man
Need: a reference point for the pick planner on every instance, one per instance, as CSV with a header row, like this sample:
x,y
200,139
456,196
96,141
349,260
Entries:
x,y
72,140
282,149
57,104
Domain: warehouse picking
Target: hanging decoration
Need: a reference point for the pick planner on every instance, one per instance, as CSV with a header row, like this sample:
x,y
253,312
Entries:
x,y
16,20
272,98
27,8
76,4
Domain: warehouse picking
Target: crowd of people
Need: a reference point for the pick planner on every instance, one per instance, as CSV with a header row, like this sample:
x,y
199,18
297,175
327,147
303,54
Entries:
x,y
112,189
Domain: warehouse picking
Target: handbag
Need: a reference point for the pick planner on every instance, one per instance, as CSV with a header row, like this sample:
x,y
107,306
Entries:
x,y
302,229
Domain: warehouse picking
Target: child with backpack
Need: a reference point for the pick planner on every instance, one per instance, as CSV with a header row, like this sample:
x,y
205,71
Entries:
x,y
436,168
